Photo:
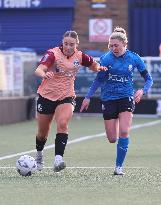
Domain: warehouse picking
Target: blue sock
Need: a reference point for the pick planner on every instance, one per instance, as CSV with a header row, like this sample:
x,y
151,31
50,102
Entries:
x,y
122,147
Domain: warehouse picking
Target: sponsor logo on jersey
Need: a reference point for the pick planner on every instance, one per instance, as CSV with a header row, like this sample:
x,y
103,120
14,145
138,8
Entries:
x,y
118,78
130,67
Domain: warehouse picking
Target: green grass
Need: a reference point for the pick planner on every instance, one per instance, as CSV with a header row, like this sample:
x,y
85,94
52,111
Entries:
x,y
84,186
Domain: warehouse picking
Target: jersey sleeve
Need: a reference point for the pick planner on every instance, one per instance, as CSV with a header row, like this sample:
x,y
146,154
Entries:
x,y
104,60
145,74
48,59
87,60
96,83
93,88
148,83
140,64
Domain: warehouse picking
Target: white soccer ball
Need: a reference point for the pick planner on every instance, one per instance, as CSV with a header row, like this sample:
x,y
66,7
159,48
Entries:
x,y
26,165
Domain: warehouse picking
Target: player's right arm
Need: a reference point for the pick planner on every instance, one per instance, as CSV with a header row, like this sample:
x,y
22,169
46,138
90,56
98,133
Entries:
x,y
45,63
42,71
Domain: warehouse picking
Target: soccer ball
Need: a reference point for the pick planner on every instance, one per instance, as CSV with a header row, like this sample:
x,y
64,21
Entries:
x,y
26,165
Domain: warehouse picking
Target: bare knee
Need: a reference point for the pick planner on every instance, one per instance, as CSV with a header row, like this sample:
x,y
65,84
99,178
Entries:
x,y
62,126
43,132
112,136
112,140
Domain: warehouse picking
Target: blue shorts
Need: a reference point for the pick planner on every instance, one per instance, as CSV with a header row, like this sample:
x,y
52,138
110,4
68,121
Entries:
x,y
112,108
46,106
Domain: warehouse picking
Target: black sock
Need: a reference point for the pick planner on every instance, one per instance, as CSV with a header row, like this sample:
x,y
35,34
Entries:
x,y
40,144
60,143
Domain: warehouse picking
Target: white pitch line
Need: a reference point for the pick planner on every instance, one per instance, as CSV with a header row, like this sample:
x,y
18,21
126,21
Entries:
x,y
81,167
79,140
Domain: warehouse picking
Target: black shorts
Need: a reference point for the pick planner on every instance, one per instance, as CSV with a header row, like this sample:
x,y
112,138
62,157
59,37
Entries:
x,y
112,108
45,106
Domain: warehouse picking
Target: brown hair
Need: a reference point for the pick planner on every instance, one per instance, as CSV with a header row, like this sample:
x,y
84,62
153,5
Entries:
x,y
72,34
120,34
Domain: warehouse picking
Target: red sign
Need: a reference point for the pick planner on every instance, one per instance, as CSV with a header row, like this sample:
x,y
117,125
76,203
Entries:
x,y
100,30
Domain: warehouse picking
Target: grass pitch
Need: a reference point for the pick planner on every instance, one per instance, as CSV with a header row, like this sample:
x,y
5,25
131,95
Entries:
x,y
88,178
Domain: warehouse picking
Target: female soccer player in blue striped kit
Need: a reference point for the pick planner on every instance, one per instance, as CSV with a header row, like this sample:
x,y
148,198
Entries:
x,y
118,96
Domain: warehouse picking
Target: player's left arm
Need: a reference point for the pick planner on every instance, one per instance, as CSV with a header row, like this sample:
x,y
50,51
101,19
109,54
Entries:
x,y
148,80
97,67
93,65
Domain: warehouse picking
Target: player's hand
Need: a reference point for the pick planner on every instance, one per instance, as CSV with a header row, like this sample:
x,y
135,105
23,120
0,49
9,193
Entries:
x,y
49,75
85,104
138,95
102,68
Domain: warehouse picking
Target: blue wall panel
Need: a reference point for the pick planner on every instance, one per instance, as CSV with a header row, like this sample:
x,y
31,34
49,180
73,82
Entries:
x,y
37,29
145,26
58,3
36,4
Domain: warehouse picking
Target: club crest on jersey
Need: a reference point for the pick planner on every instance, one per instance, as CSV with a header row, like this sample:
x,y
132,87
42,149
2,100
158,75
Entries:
x,y
130,67
76,63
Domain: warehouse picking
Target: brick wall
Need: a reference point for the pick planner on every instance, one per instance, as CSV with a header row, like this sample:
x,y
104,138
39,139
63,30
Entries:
x,y
117,10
